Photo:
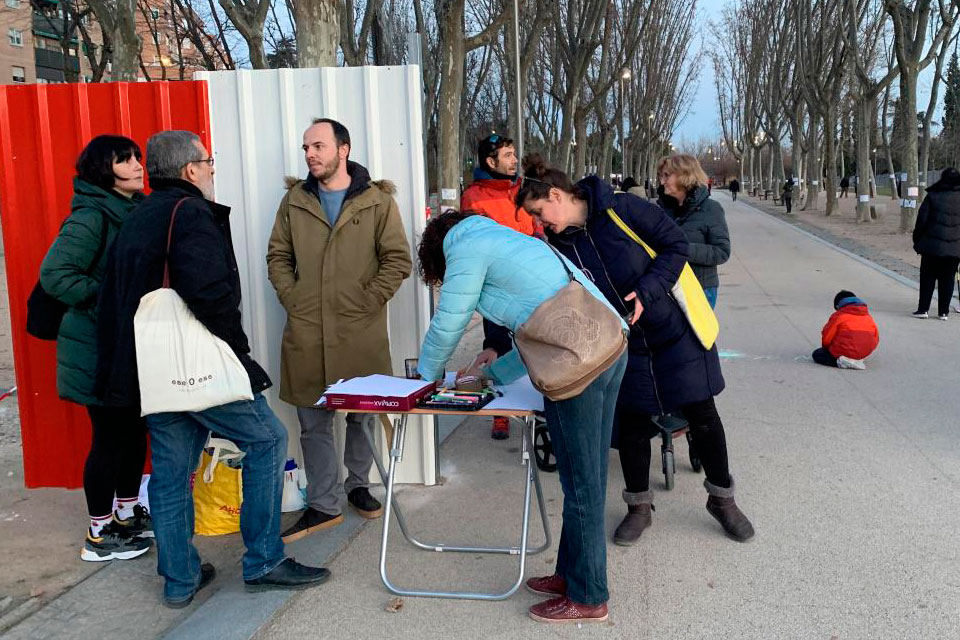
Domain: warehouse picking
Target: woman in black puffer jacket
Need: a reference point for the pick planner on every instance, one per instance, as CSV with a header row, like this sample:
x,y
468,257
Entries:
x,y
667,367
936,237
684,194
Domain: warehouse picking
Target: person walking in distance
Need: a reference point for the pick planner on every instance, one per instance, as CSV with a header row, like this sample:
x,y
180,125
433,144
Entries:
x,y
495,184
734,189
787,194
936,237
179,229
844,186
336,256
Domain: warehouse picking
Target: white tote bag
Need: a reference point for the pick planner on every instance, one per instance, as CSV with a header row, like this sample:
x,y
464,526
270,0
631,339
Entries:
x,y
181,365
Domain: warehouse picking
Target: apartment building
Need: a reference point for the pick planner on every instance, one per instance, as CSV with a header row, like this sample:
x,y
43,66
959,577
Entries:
x,y
32,47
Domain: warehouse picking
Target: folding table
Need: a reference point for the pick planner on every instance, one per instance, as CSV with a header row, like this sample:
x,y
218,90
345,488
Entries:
x,y
531,477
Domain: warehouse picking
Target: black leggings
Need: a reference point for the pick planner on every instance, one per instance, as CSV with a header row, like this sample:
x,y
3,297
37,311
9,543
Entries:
x,y
636,429
115,462
937,270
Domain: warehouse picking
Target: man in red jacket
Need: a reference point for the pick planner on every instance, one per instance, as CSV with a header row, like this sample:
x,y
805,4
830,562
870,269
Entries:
x,y
849,336
495,183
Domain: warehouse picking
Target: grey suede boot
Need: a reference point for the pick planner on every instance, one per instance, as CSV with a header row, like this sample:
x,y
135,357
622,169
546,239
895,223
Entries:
x,y
722,506
638,518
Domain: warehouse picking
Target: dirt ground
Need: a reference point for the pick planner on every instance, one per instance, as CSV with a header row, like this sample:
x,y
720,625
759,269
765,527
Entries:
x,y
882,235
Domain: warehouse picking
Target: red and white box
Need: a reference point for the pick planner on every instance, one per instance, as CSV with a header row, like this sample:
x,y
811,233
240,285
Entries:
x,y
376,394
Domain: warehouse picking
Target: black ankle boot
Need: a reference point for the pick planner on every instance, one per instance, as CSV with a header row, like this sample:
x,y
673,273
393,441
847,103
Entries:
x,y
638,518
723,507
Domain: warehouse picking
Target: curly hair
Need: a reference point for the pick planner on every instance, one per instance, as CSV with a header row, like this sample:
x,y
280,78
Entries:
x,y
539,177
433,264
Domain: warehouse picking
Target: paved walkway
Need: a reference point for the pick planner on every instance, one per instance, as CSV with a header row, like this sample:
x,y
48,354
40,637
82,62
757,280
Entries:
x,y
850,477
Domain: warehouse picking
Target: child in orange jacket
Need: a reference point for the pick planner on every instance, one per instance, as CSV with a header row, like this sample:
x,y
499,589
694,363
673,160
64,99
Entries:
x,y
850,334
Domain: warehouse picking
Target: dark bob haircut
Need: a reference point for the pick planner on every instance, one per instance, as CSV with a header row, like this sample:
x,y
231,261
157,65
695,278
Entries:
x,y
95,164
433,265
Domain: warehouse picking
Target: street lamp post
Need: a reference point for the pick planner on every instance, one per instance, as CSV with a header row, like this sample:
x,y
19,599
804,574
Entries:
x,y
624,75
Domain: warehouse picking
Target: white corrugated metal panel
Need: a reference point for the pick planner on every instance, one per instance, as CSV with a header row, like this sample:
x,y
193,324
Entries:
x,y
258,119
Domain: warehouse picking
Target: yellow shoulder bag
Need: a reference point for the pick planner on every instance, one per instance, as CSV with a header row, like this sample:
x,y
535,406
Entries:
x,y
686,291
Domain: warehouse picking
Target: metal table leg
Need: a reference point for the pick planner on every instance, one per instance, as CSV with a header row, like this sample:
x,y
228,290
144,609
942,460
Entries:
x,y
531,477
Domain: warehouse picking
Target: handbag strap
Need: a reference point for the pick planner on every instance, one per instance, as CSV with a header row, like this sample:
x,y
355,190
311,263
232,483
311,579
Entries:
x,y
627,230
166,256
562,261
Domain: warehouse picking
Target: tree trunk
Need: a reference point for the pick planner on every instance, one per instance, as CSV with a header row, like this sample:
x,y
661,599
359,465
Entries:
x,y
865,113
830,159
566,126
579,162
813,178
450,19
908,98
126,43
318,32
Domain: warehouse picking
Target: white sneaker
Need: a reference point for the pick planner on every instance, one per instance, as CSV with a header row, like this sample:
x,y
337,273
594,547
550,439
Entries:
x,y
922,315
943,317
850,363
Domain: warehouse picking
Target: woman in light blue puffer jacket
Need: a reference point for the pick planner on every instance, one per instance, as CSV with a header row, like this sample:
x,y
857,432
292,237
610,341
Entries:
x,y
505,276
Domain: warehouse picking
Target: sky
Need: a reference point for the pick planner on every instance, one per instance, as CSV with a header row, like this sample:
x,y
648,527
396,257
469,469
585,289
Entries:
x,y
702,119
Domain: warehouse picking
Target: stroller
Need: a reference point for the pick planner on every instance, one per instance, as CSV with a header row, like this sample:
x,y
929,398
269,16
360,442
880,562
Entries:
x,y
671,426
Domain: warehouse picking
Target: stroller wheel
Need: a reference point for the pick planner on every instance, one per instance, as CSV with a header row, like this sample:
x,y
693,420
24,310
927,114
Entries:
x,y
543,450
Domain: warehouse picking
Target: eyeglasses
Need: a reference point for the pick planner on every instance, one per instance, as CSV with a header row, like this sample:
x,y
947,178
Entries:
x,y
208,161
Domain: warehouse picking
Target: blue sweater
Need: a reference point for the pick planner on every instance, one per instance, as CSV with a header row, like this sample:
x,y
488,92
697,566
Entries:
x,y
502,274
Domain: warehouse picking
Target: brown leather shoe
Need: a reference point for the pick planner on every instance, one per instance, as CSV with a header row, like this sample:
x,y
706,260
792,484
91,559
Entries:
x,y
564,610
548,585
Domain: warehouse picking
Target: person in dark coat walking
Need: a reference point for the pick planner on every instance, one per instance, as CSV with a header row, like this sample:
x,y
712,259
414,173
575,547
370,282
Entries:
x,y
106,189
180,227
684,194
787,194
667,369
734,188
936,237
844,186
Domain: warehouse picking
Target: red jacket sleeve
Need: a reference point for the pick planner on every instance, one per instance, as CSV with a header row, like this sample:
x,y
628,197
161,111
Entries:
x,y
829,331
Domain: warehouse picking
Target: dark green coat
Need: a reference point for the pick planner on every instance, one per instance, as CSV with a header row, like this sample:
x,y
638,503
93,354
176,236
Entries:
x,y
67,274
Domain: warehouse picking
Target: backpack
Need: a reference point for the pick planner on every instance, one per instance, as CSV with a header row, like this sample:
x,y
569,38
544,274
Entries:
x,y
44,312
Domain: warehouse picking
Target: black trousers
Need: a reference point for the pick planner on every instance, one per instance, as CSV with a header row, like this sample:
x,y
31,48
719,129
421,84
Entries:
x,y
788,203
940,271
734,194
706,428
117,454
822,356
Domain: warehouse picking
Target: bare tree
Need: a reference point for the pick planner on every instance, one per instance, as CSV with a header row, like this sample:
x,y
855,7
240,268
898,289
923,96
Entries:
x,y
248,18
918,37
119,25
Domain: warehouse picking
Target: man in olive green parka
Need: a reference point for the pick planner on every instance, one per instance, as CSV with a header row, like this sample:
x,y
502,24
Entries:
x,y
337,255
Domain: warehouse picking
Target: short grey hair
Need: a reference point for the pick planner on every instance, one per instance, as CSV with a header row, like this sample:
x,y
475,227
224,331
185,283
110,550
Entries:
x,y
169,151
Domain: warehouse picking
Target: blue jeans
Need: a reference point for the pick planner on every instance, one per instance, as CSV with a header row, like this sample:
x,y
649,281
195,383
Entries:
x,y
176,441
711,293
580,430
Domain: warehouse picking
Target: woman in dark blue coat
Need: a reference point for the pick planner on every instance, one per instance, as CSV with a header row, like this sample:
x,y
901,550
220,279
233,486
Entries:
x,y
668,369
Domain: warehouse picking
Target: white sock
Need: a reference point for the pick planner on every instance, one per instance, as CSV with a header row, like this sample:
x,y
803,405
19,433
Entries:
x,y
97,524
125,507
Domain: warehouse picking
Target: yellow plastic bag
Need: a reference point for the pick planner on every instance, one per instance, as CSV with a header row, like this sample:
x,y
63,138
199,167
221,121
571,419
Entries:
x,y
217,494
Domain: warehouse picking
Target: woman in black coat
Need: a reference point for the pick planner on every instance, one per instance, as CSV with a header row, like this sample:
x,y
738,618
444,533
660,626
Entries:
x,y
668,369
936,237
684,194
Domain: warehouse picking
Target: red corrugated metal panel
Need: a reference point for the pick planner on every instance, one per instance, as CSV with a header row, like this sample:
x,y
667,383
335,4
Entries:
x,y
42,130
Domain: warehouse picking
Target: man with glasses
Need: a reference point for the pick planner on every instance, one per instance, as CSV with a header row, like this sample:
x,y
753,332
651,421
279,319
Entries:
x,y
203,270
337,254
495,183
